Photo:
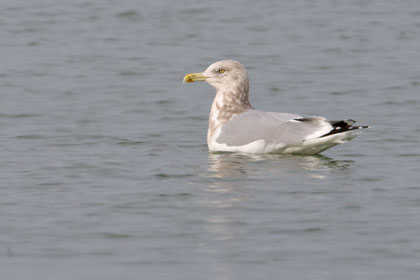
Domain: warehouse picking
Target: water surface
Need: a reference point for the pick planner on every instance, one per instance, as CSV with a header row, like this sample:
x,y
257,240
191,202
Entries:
x,y
105,173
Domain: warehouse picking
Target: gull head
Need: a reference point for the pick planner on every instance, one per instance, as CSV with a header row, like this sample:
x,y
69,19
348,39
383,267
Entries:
x,y
225,75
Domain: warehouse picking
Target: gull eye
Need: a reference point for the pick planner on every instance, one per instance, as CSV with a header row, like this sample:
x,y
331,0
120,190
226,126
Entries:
x,y
221,70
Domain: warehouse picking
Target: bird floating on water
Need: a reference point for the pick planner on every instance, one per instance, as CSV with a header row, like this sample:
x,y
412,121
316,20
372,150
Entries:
x,y
235,126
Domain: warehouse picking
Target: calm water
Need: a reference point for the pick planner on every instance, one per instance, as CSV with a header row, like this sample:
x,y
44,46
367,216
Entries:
x,y
104,169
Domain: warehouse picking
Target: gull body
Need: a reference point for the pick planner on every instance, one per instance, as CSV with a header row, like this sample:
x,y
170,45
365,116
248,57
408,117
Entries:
x,y
235,126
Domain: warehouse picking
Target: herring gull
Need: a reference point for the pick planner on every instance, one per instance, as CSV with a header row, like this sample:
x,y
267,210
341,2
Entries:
x,y
235,126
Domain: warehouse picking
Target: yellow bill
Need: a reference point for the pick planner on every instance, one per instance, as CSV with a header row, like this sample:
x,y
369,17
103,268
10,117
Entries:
x,y
194,77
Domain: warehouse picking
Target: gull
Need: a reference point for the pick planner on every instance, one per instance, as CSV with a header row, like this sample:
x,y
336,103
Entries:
x,y
235,126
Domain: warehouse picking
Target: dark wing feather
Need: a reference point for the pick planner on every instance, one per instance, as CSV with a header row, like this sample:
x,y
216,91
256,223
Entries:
x,y
338,126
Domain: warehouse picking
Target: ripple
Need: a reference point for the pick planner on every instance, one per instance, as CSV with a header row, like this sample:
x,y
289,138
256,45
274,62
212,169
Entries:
x,y
197,118
117,236
131,143
31,136
339,93
175,194
32,44
314,229
131,15
415,83
50,184
409,155
27,30
164,102
372,179
19,116
166,175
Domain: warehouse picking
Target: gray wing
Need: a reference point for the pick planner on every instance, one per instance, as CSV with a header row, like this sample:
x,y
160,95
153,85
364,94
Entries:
x,y
273,128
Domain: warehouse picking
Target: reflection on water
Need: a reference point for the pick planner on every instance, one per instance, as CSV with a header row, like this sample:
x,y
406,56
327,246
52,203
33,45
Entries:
x,y
233,171
237,181
231,165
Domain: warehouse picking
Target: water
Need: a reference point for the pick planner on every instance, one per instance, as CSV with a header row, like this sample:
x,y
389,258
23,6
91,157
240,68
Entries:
x,y
105,172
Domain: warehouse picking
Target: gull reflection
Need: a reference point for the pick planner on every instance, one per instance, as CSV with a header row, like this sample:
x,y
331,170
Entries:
x,y
230,165
230,195
231,171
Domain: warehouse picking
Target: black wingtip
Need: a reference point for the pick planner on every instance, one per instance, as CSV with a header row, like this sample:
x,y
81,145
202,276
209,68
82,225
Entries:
x,y
343,126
